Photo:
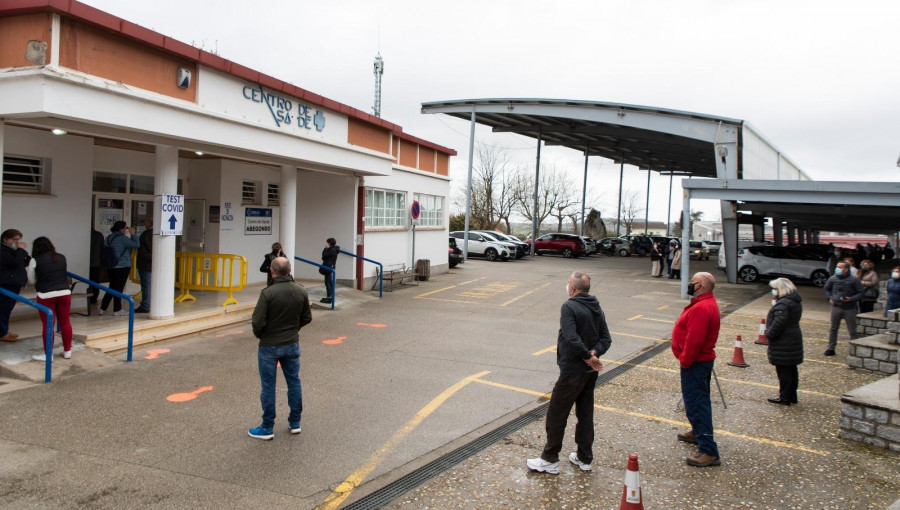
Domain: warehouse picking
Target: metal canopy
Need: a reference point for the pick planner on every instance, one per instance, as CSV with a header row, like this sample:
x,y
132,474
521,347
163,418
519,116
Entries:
x,y
646,137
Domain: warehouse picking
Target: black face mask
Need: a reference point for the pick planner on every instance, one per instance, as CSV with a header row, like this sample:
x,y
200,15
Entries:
x,y
691,289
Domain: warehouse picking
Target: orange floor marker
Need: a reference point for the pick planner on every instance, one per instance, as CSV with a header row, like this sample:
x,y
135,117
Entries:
x,y
229,333
371,325
334,341
154,353
184,397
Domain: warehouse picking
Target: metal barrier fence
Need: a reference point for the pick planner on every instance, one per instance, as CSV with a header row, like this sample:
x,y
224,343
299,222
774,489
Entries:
x,y
209,271
380,270
329,269
48,332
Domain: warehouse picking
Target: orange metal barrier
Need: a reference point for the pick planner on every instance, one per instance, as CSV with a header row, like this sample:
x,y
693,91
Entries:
x,y
218,272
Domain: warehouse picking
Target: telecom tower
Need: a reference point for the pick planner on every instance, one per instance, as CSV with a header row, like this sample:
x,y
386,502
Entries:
x,y
379,70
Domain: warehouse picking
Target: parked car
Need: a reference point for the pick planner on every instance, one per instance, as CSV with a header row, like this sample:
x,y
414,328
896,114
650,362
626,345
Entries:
x,y
615,246
455,254
513,248
640,244
481,246
787,261
699,250
516,241
568,245
590,246
714,247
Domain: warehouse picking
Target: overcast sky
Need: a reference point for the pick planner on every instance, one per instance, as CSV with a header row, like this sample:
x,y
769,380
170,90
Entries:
x,y
819,79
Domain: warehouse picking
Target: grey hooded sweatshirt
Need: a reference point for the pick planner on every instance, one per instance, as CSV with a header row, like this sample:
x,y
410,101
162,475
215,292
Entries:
x,y
582,328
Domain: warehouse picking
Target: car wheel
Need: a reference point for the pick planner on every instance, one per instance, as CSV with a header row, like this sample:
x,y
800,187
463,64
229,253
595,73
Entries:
x,y
490,254
567,253
749,274
819,277
453,264
624,253
641,252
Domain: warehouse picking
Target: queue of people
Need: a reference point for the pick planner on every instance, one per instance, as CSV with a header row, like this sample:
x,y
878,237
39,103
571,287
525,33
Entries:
x,y
665,258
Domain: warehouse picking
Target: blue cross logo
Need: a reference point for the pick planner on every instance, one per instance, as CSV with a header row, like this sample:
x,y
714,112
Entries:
x,y
319,120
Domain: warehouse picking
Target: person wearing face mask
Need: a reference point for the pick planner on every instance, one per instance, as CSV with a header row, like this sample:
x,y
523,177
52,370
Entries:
x,y
892,288
13,259
694,346
869,279
851,265
836,255
785,349
583,337
843,291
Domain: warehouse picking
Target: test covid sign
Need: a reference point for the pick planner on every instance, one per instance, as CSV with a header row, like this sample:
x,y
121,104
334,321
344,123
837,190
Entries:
x,y
171,216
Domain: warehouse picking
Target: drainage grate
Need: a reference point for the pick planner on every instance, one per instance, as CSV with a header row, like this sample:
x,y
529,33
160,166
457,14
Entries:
x,y
403,485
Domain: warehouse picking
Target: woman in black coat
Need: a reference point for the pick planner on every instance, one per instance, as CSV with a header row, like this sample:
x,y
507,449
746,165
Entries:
x,y
13,259
785,339
329,258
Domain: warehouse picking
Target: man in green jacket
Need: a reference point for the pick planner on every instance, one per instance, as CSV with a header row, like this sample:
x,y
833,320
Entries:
x,y
282,309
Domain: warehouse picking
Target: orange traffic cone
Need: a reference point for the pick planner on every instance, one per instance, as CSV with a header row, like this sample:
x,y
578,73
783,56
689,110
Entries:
x,y
761,338
738,359
631,492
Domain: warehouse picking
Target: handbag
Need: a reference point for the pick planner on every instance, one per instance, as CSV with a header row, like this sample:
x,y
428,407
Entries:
x,y
870,293
323,271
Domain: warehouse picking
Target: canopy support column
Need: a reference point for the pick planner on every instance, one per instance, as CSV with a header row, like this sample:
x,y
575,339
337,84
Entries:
x,y
162,275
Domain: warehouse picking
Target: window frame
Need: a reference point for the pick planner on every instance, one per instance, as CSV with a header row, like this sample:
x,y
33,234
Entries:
x,y
13,185
430,217
255,198
391,214
269,187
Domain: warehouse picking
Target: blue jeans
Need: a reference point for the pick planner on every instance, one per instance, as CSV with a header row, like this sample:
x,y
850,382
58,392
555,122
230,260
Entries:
x,y
145,289
329,288
6,307
269,357
697,407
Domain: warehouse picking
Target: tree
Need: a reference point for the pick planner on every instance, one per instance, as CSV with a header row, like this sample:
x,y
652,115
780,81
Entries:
x,y
631,205
493,197
553,198
695,217
457,222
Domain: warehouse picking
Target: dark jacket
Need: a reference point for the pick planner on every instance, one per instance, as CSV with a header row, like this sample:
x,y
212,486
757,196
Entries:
x,y
892,288
96,246
655,254
329,256
12,266
582,328
50,276
844,285
282,309
697,330
122,246
783,331
145,251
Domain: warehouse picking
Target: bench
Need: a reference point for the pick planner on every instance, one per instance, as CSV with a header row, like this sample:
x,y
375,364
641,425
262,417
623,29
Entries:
x,y
82,295
397,273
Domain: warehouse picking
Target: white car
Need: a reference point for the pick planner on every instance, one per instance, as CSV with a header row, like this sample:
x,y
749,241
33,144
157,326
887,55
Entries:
x,y
501,240
787,261
482,246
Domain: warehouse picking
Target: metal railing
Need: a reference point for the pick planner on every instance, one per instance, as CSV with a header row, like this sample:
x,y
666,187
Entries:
x,y
48,332
380,270
119,295
330,269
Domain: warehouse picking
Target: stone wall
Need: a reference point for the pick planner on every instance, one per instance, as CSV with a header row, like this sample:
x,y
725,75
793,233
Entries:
x,y
864,421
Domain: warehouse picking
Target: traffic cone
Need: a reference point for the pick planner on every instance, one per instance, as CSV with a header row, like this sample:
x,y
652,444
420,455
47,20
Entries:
x,y
738,359
761,338
631,492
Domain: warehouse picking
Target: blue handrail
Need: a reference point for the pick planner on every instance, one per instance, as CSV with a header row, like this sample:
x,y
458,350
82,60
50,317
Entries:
x,y
119,295
48,332
380,270
330,269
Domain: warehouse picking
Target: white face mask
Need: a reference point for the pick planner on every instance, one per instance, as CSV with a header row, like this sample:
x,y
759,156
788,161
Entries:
x,y
568,290
895,275
774,293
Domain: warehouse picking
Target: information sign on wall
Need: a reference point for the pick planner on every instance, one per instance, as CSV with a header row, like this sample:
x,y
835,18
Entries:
x,y
226,218
258,221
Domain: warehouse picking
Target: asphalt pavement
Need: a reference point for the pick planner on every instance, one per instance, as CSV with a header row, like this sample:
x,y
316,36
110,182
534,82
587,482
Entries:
x,y
393,384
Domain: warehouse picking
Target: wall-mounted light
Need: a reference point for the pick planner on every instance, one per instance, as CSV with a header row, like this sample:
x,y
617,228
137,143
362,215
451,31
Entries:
x,y
59,132
199,153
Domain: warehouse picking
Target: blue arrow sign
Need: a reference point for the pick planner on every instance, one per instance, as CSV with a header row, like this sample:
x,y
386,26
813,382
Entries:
x,y
172,221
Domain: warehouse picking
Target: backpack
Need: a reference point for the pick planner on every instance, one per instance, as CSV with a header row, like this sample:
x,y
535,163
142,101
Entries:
x,y
108,257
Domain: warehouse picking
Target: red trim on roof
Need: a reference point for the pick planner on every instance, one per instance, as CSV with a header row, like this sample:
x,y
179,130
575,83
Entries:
x,y
102,19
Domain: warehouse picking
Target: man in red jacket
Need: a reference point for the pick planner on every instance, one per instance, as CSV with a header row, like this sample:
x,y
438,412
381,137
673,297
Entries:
x,y
694,345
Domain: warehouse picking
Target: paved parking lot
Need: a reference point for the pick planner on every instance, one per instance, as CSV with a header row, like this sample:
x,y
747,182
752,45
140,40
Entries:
x,y
393,384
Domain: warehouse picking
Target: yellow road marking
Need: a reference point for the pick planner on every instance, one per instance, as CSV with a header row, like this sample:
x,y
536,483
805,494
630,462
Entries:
x,y
805,359
450,287
638,336
663,307
544,351
660,419
754,332
511,301
354,480
635,317
807,321
656,320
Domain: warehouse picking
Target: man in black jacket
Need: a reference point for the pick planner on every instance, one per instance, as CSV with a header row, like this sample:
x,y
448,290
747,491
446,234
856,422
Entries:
x,y
145,264
843,291
583,337
282,309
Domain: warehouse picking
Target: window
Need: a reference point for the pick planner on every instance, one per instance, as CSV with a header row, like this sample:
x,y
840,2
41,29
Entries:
x,y
432,208
141,184
26,175
272,195
385,208
250,193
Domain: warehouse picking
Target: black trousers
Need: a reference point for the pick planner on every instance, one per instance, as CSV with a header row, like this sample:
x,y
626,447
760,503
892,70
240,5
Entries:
x,y
94,276
118,277
866,306
788,379
577,389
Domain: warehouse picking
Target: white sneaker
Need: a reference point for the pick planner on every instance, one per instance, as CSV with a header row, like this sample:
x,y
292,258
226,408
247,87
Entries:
x,y
101,312
543,466
121,313
573,458
39,357
67,354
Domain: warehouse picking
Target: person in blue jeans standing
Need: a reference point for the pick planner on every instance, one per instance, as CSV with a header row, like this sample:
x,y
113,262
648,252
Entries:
x,y
694,346
282,309
145,264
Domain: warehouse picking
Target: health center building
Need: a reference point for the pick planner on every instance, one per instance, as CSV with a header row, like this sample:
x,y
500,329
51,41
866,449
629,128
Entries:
x,y
101,118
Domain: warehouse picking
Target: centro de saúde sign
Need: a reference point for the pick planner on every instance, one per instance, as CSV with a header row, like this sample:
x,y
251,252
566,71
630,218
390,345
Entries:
x,y
283,109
